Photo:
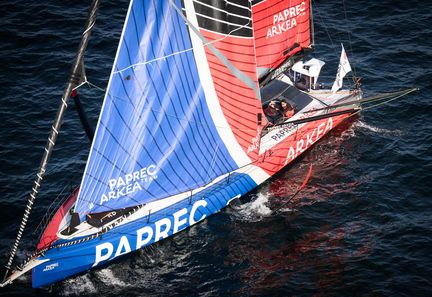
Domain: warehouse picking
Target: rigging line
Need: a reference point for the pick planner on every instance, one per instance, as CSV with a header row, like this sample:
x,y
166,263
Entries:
x,y
179,52
198,114
349,36
225,22
385,102
116,222
355,112
96,87
80,85
86,82
204,124
312,24
104,230
319,100
213,161
325,28
235,4
160,96
204,134
368,99
225,12
331,40
54,131
53,207
187,110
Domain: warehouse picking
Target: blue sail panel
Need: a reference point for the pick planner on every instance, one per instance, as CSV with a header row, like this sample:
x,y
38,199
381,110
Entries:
x,y
155,136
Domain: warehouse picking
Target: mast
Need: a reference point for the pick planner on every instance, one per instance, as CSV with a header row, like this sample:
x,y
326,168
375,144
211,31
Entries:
x,y
312,28
74,73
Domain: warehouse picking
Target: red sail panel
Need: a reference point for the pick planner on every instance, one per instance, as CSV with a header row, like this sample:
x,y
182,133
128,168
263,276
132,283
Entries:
x,y
281,29
238,101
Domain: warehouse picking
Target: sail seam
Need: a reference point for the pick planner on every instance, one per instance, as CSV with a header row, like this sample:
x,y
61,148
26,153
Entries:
x,y
225,22
238,73
199,118
175,54
224,11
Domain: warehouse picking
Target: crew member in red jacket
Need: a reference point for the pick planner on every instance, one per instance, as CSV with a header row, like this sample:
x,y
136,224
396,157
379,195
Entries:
x,y
273,112
287,109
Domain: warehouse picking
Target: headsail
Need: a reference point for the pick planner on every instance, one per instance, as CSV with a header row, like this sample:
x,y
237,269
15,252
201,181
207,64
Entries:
x,y
168,124
282,29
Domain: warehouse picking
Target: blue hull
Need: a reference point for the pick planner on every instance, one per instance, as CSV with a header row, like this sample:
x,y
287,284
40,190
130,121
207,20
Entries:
x,y
71,260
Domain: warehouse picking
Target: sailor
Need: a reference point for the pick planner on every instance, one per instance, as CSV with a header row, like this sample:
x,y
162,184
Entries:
x,y
287,109
273,112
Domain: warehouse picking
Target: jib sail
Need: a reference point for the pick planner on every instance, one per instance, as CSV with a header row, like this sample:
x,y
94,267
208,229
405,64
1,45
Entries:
x,y
181,104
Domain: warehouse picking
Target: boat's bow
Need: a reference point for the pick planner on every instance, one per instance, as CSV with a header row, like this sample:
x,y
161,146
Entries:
x,y
22,270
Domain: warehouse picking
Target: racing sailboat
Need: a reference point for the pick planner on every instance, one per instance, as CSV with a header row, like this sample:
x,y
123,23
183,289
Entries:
x,y
182,129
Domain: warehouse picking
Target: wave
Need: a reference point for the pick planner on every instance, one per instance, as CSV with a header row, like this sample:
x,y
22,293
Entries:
x,y
254,210
363,125
107,277
81,285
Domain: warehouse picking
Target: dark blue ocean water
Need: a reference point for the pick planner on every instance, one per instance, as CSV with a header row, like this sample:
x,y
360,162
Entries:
x,y
362,226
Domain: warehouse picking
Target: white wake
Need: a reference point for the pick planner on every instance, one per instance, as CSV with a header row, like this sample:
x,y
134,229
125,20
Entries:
x,y
363,125
255,210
